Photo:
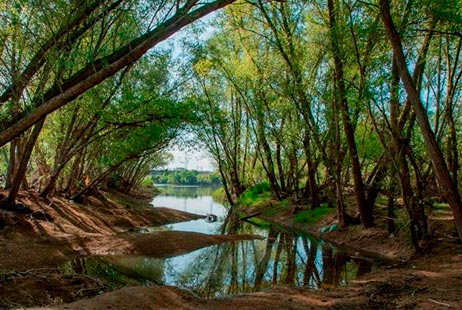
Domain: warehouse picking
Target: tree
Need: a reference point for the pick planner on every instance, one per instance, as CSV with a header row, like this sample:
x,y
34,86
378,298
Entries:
x,y
79,47
98,69
443,176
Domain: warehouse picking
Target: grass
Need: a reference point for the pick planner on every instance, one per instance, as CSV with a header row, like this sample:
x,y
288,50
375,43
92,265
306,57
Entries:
x,y
255,194
440,206
312,216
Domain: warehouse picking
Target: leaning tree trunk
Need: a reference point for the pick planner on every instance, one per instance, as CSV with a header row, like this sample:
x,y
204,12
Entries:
x,y
399,151
103,68
443,176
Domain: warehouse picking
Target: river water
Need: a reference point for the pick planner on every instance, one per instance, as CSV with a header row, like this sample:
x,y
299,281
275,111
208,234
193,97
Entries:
x,y
282,257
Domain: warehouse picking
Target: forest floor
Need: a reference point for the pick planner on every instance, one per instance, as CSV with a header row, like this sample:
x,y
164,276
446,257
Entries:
x,y
32,246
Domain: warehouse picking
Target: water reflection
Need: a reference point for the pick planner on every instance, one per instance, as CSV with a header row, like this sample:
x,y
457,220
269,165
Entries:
x,y
192,199
118,271
184,191
282,258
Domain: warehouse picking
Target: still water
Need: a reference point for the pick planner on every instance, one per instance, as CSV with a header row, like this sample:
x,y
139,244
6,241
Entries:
x,y
197,200
281,258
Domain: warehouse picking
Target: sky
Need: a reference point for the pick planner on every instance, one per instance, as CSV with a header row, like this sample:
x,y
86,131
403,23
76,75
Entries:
x,y
190,159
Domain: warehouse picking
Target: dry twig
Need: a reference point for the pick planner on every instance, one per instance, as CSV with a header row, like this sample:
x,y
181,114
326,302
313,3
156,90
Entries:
x,y
439,303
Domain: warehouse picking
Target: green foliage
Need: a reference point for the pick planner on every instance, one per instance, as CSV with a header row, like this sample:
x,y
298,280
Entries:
x,y
219,194
255,194
312,216
147,182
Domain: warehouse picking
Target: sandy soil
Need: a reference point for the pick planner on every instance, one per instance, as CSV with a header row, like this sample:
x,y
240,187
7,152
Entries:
x,y
32,246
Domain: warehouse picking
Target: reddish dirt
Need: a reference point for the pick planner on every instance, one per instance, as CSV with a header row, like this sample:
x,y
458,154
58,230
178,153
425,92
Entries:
x,y
31,248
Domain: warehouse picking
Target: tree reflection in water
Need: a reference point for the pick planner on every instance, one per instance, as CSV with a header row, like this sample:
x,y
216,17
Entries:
x,y
283,258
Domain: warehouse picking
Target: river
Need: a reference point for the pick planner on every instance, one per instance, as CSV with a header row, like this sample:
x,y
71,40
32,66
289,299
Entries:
x,y
282,257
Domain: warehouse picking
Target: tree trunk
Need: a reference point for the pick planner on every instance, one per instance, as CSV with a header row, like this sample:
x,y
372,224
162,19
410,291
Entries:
x,y
365,211
391,226
225,184
267,160
311,186
21,171
443,176
11,164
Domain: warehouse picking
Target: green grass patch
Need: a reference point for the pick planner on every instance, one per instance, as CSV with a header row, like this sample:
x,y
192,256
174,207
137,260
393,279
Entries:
x,y
312,216
254,194
440,206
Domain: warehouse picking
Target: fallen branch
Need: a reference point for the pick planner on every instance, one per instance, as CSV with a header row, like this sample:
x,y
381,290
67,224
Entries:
x,y
439,303
91,290
250,216
38,270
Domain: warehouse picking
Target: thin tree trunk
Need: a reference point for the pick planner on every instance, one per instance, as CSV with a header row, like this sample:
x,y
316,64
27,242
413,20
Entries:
x,y
11,164
21,171
365,211
391,226
267,160
311,185
443,176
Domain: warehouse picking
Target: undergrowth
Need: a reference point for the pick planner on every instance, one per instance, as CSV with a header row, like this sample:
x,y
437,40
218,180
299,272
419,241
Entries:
x,y
254,194
312,216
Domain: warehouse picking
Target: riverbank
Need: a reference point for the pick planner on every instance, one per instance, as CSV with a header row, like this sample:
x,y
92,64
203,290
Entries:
x,y
33,247
406,280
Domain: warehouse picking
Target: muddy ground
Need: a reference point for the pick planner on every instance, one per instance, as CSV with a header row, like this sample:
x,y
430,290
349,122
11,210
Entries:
x,y
32,246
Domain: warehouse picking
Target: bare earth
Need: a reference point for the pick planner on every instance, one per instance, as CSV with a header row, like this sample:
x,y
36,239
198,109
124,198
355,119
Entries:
x,y
31,246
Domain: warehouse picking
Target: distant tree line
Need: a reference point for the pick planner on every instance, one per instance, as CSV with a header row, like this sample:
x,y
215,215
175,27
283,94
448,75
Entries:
x,y
186,177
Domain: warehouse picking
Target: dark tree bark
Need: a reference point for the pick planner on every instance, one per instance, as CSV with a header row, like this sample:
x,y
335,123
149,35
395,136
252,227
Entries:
x,y
365,211
391,226
11,164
